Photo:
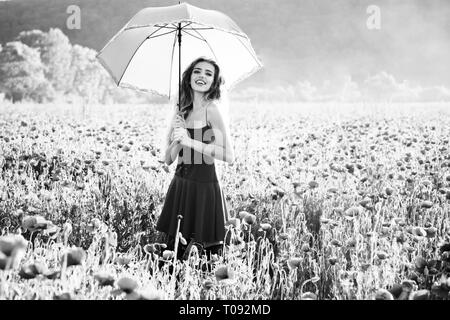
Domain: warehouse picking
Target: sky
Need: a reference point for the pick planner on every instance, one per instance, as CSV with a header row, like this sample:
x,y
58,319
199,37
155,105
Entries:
x,y
326,44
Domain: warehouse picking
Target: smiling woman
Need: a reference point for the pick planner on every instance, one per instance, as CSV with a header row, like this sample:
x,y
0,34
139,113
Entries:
x,y
197,136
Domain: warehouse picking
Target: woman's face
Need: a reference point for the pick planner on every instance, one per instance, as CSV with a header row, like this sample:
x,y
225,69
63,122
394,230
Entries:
x,y
202,76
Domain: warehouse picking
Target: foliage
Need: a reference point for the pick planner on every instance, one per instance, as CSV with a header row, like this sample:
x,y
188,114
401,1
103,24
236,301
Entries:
x,y
22,73
45,66
327,202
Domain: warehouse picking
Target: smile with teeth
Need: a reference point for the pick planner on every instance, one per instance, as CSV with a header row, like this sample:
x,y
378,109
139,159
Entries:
x,y
200,82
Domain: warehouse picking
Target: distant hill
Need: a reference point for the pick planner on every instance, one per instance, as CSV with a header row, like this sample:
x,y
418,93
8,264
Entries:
x,y
297,40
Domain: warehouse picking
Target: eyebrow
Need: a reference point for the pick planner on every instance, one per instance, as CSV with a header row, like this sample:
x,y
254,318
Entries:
x,y
197,68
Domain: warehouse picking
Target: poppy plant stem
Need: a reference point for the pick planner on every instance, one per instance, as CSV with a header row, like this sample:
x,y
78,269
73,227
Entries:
x,y
177,238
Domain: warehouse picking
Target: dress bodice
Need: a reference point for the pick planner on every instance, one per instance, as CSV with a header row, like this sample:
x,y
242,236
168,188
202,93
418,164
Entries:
x,y
194,165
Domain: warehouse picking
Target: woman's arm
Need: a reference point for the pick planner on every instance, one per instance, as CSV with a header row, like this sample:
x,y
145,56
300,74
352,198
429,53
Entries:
x,y
220,148
172,152
173,146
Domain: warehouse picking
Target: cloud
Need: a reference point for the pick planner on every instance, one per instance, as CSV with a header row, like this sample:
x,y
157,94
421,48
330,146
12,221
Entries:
x,y
380,87
439,93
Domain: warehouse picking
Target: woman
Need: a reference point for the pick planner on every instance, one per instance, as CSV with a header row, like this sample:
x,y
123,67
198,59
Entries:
x,y
197,135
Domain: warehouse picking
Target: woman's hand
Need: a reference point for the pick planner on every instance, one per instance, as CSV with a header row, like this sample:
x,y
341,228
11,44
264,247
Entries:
x,y
181,135
178,121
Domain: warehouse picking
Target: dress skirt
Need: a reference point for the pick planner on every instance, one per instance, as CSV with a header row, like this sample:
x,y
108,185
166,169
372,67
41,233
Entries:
x,y
195,194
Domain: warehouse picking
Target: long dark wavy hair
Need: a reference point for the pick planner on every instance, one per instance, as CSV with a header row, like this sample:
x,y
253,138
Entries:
x,y
187,94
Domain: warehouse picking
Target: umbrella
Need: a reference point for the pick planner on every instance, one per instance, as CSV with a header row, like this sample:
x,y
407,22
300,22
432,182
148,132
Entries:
x,y
151,50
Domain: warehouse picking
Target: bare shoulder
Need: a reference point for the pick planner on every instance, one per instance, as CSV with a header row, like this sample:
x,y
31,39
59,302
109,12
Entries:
x,y
214,115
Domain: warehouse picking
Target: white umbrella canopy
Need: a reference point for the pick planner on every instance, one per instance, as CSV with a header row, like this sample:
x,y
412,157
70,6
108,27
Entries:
x,y
144,54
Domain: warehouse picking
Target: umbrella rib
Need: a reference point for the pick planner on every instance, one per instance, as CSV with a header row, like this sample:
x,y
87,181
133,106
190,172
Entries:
x,y
125,70
165,26
200,35
162,34
199,38
249,51
198,28
187,24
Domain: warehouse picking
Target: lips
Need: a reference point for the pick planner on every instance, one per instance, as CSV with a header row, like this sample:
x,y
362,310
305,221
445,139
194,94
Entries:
x,y
200,82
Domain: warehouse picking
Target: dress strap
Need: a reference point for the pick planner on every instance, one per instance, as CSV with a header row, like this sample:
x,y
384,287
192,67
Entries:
x,y
206,114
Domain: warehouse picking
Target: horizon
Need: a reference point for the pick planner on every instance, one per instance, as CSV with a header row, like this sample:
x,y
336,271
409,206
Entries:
x,y
331,49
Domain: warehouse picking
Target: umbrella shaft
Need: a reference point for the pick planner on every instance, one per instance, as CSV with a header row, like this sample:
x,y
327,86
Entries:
x,y
179,66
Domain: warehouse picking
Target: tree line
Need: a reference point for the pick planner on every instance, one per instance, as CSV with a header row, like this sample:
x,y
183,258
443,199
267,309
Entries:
x,y
45,67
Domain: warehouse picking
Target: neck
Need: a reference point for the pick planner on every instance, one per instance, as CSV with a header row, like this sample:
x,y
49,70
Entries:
x,y
199,100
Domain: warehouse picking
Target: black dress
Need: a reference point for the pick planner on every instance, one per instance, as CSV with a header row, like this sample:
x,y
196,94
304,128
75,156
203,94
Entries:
x,y
195,194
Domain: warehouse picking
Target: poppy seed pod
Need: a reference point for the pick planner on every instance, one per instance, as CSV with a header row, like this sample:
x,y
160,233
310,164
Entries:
x,y
182,239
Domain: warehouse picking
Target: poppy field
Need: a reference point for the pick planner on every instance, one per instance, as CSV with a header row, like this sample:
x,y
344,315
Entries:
x,y
326,201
